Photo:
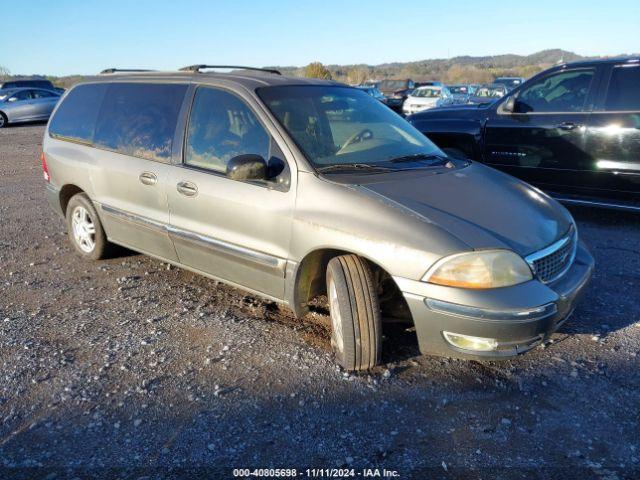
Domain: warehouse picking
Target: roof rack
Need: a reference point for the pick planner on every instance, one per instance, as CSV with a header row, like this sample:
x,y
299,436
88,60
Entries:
x,y
198,68
123,70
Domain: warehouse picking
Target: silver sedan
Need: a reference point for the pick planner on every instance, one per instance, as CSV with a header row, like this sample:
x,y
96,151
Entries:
x,y
26,105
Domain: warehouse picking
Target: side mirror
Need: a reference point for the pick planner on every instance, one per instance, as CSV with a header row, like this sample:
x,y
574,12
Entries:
x,y
12,99
247,167
509,105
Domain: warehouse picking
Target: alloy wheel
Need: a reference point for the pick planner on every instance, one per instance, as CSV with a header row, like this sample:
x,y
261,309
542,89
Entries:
x,y
84,230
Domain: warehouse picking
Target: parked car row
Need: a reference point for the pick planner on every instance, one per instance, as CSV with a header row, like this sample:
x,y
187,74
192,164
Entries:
x,y
425,98
409,97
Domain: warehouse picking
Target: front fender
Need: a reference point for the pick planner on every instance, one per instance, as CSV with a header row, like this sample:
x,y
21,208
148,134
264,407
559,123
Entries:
x,y
352,219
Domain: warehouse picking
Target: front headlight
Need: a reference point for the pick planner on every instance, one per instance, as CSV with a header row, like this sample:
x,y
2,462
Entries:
x,y
483,269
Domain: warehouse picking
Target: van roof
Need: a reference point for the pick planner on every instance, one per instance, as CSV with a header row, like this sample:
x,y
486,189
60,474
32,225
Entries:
x,y
247,78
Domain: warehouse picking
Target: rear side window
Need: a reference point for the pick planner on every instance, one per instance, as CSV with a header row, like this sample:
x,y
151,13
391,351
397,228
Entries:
x,y
75,118
21,95
624,89
43,94
139,119
560,92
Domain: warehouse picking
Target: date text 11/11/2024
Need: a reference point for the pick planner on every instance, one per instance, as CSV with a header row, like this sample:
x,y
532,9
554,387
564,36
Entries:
x,y
316,473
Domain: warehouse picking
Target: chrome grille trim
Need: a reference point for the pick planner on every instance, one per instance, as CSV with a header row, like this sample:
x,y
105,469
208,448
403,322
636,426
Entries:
x,y
549,264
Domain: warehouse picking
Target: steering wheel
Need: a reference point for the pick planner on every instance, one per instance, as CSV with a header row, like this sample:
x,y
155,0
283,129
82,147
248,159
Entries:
x,y
361,136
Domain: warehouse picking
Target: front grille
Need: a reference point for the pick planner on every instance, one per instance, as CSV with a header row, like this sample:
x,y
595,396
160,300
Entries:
x,y
552,262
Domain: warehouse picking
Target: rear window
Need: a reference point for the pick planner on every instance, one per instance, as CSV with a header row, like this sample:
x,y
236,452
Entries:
x,y
139,119
624,89
75,118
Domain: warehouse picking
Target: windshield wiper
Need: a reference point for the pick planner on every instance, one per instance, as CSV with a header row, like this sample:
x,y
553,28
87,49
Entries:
x,y
419,156
354,166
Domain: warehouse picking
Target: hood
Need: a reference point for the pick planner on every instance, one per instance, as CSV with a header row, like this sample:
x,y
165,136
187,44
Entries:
x,y
480,206
459,112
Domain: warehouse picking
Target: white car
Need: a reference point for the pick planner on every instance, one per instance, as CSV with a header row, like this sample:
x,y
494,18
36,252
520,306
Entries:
x,y
424,98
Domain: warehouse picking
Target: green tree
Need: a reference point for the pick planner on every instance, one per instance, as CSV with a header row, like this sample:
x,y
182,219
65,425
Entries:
x,y
317,70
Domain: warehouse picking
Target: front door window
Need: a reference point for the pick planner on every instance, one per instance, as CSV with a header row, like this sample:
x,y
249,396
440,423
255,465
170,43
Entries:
x,y
221,127
560,92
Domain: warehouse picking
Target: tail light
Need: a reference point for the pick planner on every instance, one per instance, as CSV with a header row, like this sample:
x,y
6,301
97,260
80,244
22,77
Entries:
x,y
45,169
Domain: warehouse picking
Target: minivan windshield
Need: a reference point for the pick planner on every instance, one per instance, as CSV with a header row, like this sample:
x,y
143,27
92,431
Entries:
x,y
345,126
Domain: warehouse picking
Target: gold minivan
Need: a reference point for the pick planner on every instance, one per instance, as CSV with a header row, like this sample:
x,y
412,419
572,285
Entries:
x,y
295,188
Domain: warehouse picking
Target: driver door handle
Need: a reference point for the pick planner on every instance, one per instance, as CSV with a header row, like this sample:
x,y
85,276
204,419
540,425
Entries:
x,y
148,178
568,126
188,189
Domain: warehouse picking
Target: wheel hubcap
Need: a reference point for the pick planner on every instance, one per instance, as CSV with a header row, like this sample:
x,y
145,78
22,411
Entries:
x,y
1,121
337,340
84,230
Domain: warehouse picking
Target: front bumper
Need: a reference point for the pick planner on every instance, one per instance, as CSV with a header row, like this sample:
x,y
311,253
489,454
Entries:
x,y
507,315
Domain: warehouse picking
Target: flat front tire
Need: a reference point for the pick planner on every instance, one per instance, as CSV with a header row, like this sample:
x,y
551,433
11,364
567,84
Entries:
x,y
84,228
356,327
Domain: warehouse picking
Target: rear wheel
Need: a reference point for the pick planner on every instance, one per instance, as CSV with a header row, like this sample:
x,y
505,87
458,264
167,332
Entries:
x,y
85,230
356,327
3,120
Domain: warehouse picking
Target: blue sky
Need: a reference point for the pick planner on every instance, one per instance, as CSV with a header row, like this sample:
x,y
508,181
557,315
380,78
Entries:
x,y
70,36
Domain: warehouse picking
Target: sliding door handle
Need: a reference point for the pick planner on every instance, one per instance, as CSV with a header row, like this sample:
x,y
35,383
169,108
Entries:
x,y
188,189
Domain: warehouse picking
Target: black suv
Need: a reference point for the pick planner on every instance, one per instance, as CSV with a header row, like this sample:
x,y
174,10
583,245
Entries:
x,y
573,130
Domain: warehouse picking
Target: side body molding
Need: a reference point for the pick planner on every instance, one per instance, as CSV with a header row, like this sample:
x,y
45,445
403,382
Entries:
x,y
243,254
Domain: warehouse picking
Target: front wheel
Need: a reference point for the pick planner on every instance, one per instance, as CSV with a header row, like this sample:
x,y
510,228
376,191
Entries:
x,y
85,230
3,120
356,326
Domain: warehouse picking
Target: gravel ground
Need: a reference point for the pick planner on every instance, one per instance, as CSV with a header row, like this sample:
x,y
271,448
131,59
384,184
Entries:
x,y
129,368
